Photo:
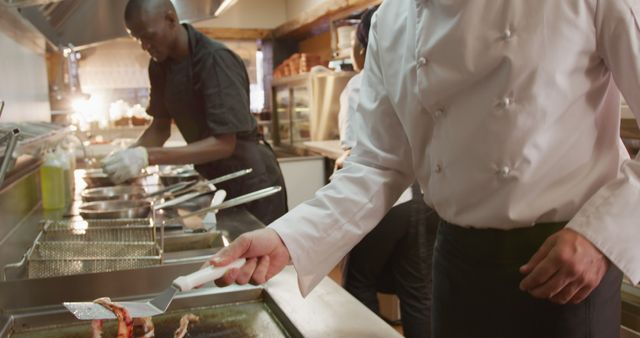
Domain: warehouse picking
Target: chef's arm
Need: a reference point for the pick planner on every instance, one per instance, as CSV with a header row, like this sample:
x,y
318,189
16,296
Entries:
x,y
610,218
156,134
209,149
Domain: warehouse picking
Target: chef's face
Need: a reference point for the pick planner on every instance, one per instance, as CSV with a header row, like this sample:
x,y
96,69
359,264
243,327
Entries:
x,y
155,34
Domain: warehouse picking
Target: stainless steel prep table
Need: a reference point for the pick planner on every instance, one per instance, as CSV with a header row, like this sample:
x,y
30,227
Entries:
x,y
329,311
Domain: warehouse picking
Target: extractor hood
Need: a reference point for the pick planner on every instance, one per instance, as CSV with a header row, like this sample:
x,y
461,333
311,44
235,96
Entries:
x,y
83,23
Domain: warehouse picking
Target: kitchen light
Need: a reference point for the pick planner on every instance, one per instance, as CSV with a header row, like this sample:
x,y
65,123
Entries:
x,y
88,111
80,105
226,4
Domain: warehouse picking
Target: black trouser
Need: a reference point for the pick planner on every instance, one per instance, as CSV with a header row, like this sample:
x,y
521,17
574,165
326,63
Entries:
x,y
476,292
397,252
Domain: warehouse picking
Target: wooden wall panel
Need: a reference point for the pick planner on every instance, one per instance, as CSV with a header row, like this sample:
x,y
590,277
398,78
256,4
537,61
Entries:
x,y
318,44
236,33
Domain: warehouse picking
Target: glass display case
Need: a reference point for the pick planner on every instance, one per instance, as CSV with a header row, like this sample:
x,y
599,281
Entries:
x,y
292,110
300,115
281,118
306,107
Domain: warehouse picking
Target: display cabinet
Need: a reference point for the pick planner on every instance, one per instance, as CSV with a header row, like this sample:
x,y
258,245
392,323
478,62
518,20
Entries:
x,y
306,107
291,113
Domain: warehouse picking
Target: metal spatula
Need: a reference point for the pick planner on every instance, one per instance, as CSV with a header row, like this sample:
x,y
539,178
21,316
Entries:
x,y
156,306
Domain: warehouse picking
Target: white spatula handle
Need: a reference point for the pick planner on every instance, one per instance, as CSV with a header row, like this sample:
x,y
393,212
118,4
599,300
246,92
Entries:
x,y
218,198
208,274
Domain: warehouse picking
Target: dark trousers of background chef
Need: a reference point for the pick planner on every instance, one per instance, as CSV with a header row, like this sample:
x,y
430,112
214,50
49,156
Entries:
x,y
476,289
395,257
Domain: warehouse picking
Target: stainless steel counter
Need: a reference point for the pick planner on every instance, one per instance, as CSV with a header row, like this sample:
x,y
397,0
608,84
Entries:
x,y
330,149
329,311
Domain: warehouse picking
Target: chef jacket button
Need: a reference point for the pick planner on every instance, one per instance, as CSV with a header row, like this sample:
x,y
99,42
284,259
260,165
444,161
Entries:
x,y
422,61
505,102
507,35
504,171
438,113
438,168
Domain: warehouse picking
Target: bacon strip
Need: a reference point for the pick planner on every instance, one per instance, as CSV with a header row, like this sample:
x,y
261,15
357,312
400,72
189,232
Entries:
x,y
145,323
184,324
125,323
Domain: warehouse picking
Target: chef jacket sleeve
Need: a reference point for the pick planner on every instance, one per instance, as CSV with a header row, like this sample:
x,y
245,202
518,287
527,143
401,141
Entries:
x,y
321,231
157,107
610,219
225,88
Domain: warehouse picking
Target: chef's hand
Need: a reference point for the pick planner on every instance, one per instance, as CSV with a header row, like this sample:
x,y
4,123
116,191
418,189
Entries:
x,y
125,164
341,159
265,252
565,269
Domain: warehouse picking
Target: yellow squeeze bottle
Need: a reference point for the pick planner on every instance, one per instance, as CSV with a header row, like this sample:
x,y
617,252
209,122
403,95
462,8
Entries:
x,y
52,181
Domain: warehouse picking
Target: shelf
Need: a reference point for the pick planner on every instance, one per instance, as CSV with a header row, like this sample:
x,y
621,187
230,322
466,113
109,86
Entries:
x,y
290,80
287,121
342,54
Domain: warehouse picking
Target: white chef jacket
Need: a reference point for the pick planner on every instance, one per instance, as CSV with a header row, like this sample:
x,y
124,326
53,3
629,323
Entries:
x,y
349,99
507,114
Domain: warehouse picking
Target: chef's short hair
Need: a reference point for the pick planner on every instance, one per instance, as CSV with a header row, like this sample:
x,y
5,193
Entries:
x,y
362,32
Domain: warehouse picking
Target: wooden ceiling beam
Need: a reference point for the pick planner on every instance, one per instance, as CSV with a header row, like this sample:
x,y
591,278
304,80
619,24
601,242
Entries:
x,y
235,33
319,16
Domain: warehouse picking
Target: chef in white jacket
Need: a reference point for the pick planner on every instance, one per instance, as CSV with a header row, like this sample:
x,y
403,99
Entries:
x,y
507,113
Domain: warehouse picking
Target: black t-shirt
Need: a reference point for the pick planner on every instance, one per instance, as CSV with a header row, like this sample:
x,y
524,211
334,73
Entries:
x,y
207,94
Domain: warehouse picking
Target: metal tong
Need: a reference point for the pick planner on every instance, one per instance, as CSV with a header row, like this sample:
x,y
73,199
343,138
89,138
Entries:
x,y
12,139
250,197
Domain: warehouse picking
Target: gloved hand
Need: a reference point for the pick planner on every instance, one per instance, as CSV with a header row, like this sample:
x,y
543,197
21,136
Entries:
x,y
125,164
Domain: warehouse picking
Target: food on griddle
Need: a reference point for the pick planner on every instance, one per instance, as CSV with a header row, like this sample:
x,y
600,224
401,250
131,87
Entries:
x,y
125,323
184,324
143,327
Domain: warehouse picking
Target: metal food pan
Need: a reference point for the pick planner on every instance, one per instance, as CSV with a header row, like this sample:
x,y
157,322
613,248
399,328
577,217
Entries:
x,y
120,192
96,178
172,174
242,312
117,209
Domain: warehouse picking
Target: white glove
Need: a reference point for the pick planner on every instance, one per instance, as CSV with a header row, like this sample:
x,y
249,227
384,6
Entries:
x,y
125,164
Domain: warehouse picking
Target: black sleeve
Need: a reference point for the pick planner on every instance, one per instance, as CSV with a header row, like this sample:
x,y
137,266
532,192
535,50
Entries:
x,y
157,106
225,88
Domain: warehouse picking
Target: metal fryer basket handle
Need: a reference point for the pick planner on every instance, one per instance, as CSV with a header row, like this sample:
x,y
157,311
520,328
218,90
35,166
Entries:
x,y
19,265
250,197
8,153
22,263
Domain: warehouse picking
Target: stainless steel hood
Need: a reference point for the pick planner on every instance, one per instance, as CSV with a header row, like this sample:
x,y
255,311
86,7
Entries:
x,y
83,23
